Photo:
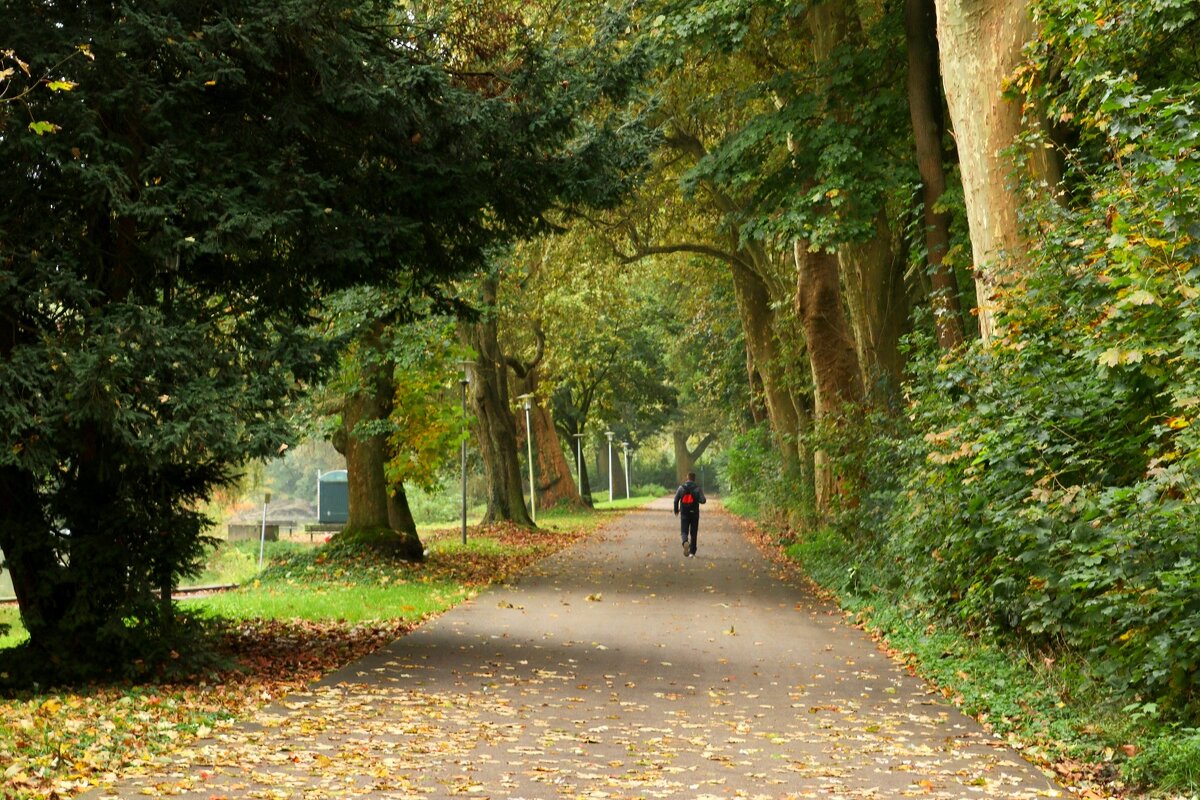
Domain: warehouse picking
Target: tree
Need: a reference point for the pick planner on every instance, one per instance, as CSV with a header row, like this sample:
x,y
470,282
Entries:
x,y
490,395
929,132
981,45
217,171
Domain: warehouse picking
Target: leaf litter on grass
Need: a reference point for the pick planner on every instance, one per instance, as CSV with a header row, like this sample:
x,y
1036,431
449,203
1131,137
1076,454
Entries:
x,y
58,744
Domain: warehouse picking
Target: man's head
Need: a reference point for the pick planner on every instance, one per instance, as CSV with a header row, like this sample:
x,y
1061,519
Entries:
x,y
691,476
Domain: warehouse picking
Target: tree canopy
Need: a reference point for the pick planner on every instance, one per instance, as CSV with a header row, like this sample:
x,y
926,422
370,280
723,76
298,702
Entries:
x,y
215,171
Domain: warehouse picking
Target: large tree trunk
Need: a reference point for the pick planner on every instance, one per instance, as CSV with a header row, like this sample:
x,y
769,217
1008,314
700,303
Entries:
x,y
555,478
400,515
877,299
929,130
831,351
555,481
496,429
567,428
617,472
685,457
872,273
758,407
980,43
376,516
754,307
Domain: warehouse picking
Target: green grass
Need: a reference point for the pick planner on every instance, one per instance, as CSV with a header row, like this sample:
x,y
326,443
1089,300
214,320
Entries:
x,y
331,585
348,603
237,562
621,503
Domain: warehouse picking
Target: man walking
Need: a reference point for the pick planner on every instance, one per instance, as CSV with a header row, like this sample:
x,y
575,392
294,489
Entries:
x,y
688,498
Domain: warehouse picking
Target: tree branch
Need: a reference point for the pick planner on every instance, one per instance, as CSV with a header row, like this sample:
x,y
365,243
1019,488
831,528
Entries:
x,y
644,251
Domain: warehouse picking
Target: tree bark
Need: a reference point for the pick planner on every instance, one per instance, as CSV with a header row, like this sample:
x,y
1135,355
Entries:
x,y
618,469
685,457
758,408
872,272
33,567
929,130
555,482
379,514
877,300
566,429
754,307
831,352
980,43
495,427
400,515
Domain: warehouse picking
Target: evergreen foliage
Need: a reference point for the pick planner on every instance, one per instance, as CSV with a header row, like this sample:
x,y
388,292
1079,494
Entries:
x,y
210,172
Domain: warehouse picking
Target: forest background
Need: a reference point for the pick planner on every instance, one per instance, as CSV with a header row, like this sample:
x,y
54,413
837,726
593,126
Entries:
x,y
926,271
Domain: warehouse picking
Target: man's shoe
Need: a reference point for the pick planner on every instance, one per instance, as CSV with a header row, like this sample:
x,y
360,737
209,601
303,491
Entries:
x,y
687,551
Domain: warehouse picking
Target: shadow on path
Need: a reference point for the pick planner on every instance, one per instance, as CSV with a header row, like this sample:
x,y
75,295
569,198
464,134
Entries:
x,y
616,669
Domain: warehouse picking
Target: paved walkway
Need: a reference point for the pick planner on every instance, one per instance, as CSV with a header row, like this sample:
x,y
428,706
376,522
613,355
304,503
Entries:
x,y
617,669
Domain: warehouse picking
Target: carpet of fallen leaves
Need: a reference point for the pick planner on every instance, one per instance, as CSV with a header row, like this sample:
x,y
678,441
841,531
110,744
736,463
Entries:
x,y
58,744
1089,780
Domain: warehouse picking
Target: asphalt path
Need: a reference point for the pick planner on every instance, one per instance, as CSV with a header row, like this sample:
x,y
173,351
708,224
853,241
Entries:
x,y
615,669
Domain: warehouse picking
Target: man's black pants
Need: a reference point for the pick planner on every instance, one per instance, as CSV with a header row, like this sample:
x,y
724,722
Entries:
x,y
689,525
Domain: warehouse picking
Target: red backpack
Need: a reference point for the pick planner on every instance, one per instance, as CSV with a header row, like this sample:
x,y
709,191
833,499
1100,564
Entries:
x,y
688,501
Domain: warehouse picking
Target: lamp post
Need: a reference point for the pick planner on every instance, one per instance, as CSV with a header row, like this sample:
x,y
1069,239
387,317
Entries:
x,y
262,539
610,435
579,460
527,401
462,384
625,448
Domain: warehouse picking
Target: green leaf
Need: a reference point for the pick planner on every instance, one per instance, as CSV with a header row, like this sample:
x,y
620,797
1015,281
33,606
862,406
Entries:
x,y
42,127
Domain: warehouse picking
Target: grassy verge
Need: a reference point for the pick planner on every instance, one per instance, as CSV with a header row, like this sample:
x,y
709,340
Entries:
x,y
1050,706
312,610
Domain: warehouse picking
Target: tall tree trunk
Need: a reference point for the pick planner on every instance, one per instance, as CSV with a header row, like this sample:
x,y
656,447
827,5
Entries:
x,y
754,307
877,301
831,351
376,517
980,42
929,130
758,408
555,481
567,428
400,515
872,273
495,427
618,468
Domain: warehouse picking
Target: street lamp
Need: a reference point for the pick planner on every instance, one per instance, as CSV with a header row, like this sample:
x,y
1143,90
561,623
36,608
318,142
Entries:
x,y
262,539
579,460
462,384
625,447
610,435
526,400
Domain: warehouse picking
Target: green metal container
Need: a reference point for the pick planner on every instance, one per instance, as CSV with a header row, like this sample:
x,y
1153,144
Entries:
x,y
333,497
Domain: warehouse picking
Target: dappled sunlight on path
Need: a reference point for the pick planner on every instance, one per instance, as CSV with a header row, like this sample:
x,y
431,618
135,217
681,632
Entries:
x,y
616,669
